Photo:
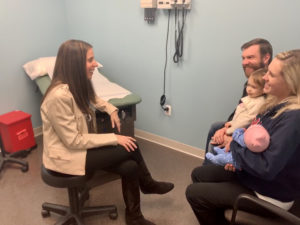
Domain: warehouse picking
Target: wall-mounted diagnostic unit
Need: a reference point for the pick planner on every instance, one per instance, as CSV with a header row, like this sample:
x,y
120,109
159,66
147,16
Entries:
x,y
151,5
166,4
180,7
172,4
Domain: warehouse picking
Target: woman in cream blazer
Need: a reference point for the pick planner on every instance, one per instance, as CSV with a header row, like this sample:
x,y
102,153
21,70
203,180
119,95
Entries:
x,y
71,143
65,125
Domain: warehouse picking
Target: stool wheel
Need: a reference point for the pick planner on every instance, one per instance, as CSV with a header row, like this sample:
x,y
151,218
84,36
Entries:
x,y
24,169
113,216
45,213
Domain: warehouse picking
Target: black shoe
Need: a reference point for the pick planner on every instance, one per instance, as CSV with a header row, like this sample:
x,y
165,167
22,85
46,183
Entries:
x,y
157,187
138,221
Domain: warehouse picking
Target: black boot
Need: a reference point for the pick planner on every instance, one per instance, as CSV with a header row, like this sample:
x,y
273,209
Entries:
x,y
150,186
131,195
157,187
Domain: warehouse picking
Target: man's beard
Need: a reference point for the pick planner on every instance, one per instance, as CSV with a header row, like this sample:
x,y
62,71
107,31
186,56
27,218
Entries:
x,y
254,67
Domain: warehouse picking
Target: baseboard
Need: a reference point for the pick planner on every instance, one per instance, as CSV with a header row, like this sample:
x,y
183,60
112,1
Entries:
x,y
37,131
174,145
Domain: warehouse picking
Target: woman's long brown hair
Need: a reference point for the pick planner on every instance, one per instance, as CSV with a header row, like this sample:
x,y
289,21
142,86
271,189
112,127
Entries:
x,y
70,68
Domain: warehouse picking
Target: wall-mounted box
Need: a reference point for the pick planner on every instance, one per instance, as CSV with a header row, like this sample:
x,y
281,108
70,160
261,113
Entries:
x,y
148,3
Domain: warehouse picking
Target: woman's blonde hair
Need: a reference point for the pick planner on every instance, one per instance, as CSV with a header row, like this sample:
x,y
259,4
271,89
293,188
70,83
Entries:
x,y
290,72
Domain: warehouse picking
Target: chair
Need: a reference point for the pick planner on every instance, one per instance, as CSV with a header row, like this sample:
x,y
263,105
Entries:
x,y
10,158
78,193
281,216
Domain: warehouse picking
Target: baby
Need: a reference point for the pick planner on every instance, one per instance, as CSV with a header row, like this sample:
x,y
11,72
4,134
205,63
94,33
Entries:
x,y
256,138
248,108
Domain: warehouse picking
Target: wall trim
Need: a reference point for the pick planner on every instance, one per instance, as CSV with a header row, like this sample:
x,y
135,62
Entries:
x,y
174,145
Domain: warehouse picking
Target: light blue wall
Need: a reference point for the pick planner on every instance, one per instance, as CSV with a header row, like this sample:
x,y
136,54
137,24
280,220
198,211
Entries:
x,y
207,85
29,29
204,88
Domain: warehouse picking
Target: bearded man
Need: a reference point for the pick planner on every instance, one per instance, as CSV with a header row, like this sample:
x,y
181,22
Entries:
x,y
256,54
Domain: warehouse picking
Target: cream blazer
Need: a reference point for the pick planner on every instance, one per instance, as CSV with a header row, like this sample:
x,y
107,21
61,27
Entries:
x,y
245,112
65,132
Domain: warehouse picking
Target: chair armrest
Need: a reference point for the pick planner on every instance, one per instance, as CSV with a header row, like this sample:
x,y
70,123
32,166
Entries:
x,y
266,205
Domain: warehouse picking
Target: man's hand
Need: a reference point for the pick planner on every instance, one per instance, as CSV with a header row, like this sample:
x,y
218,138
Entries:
x,y
227,124
229,167
115,121
218,137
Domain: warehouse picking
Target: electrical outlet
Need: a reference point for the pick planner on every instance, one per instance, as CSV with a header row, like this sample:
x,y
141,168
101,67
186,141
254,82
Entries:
x,y
168,110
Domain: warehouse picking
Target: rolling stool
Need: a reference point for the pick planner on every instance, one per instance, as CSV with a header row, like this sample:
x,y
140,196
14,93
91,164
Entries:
x,y
77,195
10,158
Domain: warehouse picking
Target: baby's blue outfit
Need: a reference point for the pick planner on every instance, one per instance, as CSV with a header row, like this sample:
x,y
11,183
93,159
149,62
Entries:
x,y
222,158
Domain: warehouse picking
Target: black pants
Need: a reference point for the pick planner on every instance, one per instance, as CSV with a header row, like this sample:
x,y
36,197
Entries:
x,y
114,159
214,190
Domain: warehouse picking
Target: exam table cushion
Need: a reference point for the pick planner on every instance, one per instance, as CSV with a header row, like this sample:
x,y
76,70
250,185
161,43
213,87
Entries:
x,y
43,83
41,71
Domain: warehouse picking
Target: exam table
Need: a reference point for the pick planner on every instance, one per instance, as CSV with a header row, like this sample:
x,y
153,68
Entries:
x,y
41,71
126,106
